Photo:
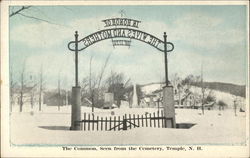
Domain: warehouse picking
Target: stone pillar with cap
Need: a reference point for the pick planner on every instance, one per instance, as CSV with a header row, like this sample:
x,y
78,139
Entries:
x,y
168,105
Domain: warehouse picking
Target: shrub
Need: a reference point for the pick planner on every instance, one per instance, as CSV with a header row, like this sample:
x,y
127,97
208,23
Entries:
x,y
210,98
221,103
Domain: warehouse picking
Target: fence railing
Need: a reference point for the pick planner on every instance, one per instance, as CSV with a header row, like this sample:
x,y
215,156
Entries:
x,y
127,121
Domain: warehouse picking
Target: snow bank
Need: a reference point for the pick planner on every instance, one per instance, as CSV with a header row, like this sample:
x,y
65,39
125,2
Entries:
x,y
52,128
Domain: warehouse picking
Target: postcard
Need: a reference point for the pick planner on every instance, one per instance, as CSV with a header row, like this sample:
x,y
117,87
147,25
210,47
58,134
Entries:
x,y
124,79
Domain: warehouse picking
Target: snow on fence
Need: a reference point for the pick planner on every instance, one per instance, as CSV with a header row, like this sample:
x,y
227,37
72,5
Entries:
x,y
156,120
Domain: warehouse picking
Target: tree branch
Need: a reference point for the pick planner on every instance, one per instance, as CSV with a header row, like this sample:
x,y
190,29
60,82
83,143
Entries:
x,y
18,11
32,17
102,71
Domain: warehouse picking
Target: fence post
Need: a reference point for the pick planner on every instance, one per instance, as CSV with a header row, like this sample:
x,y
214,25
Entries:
x,y
158,119
119,123
84,123
138,120
101,123
114,123
93,123
134,119
154,120
130,121
124,123
150,120
165,120
97,123
106,123
110,126
162,119
146,116
89,122
142,121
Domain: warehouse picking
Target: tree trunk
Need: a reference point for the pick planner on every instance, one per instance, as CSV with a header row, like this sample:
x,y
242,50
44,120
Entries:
x,y
32,100
66,98
59,93
21,96
40,100
179,97
21,102
11,99
11,90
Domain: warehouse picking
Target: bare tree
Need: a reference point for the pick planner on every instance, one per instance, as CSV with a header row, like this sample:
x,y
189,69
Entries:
x,y
65,98
59,91
90,83
103,70
32,90
85,88
22,84
27,87
98,90
84,85
202,89
176,81
94,84
12,89
41,87
21,11
117,84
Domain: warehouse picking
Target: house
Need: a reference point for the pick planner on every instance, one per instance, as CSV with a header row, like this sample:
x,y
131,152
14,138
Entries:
x,y
182,99
29,95
53,98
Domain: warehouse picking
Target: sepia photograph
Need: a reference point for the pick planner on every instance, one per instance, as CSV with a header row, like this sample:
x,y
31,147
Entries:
x,y
149,78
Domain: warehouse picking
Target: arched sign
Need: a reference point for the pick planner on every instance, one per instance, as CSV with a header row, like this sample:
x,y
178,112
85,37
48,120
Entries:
x,y
121,28
120,33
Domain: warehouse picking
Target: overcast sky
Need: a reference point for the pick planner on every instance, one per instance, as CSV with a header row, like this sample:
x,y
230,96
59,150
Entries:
x,y
214,35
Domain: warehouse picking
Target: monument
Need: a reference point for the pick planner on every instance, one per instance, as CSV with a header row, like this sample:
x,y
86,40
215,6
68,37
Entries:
x,y
135,98
108,100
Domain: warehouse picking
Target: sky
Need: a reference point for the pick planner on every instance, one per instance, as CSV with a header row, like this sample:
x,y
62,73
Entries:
x,y
213,35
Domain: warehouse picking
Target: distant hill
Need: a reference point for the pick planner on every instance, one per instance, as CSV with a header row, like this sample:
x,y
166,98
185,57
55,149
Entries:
x,y
238,90
234,89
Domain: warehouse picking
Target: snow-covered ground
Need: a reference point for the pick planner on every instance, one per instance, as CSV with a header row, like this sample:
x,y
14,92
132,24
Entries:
x,y
51,127
223,96
149,88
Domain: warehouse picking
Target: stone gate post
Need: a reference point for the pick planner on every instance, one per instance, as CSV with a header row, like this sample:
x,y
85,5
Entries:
x,y
76,108
168,104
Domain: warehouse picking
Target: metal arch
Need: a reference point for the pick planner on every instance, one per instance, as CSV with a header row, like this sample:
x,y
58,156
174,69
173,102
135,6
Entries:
x,y
171,45
70,44
160,41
